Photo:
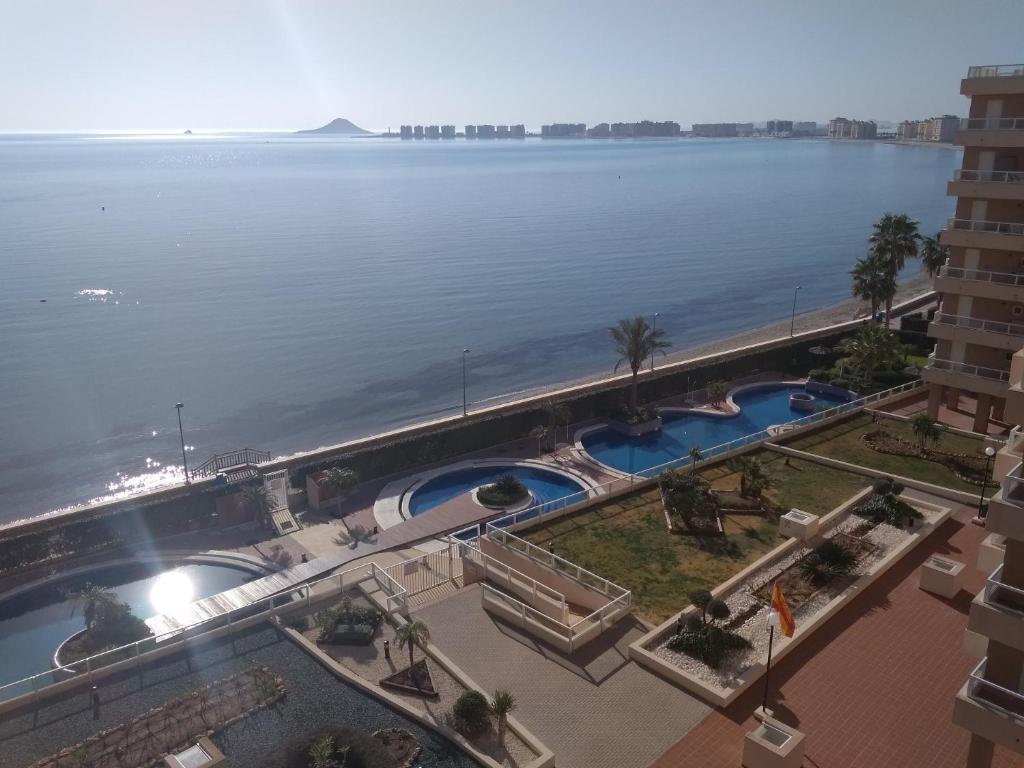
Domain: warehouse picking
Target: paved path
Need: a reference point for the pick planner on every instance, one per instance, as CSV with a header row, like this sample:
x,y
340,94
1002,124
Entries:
x,y
594,709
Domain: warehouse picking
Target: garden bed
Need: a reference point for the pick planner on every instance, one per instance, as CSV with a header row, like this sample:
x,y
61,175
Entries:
x,y
415,679
966,467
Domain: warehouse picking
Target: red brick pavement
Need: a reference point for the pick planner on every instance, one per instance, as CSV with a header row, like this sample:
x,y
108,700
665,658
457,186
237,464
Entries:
x,y
874,687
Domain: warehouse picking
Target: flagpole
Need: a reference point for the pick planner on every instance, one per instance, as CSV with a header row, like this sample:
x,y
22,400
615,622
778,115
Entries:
x,y
768,669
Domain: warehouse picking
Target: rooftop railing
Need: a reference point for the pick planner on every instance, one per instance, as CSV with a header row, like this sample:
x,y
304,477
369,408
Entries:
x,y
995,70
976,324
980,275
1003,595
979,225
992,124
1006,700
989,177
980,371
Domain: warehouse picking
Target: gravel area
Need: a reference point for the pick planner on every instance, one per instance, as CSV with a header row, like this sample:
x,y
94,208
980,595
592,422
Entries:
x,y
755,627
315,698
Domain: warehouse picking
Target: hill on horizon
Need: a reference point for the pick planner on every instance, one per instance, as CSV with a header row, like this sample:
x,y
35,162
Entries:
x,y
338,126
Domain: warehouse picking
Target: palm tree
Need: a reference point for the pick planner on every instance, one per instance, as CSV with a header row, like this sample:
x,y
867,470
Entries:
x,y
93,601
716,391
540,434
872,347
559,415
872,282
925,429
321,754
502,705
933,254
695,456
894,240
340,480
257,500
754,478
410,634
635,341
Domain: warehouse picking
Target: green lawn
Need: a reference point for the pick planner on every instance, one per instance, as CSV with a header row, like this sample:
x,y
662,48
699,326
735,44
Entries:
x,y
626,539
843,441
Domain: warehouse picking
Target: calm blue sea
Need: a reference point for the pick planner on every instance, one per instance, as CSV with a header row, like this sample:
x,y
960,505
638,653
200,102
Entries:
x,y
297,292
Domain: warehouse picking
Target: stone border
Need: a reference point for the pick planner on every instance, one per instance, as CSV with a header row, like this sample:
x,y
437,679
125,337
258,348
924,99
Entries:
x,y
530,501
723,696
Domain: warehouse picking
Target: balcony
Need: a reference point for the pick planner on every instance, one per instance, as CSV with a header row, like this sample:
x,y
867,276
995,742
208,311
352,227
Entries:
x,y
988,185
1004,286
991,711
974,378
1005,132
1006,509
978,233
993,80
998,612
972,330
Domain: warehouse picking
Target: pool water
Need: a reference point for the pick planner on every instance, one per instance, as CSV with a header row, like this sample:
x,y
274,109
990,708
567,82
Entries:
x,y
544,485
33,624
759,409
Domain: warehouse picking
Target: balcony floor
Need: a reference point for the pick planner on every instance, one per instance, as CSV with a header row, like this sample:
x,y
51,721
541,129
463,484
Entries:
x,y
874,687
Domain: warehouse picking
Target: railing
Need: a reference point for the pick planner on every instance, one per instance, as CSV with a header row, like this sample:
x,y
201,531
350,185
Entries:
x,y
980,371
1006,700
240,458
996,177
982,276
992,124
977,324
526,612
1003,595
1013,484
395,592
979,225
995,70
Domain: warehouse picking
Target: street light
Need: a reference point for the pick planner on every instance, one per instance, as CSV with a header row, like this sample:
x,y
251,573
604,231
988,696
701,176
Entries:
x,y
792,319
464,353
181,434
654,333
982,510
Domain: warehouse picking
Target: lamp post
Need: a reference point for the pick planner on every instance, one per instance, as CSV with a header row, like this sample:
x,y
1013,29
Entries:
x,y
792,318
654,329
181,434
982,511
464,353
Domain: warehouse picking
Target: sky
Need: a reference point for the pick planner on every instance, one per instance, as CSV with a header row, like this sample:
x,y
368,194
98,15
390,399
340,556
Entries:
x,y
70,65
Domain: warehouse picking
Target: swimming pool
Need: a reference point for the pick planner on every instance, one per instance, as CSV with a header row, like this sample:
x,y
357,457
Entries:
x,y
34,623
545,485
759,408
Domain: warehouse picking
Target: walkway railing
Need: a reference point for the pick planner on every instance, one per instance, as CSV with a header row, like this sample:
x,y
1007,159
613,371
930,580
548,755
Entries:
x,y
244,457
981,225
995,70
976,324
983,276
395,592
995,177
980,371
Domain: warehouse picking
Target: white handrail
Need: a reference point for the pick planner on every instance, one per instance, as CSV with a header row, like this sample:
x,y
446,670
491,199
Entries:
x,y
980,275
995,374
974,323
981,225
998,177
995,70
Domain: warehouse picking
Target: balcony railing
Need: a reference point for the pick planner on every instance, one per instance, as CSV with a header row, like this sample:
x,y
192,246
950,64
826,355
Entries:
x,y
992,124
975,324
1003,595
979,225
1006,700
1013,484
980,275
993,177
993,374
996,70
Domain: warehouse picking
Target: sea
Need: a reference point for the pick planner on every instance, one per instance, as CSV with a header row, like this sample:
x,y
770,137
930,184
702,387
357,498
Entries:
x,y
296,292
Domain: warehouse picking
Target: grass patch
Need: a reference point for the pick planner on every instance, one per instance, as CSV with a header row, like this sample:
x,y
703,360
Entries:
x,y
843,441
626,539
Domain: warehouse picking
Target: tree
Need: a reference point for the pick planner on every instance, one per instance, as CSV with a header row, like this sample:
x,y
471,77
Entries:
x,y
754,478
871,348
257,500
717,391
93,601
925,429
872,282
502,705
894,240
540,434
412,633
340,480
695,456
635,341
559,415
933,254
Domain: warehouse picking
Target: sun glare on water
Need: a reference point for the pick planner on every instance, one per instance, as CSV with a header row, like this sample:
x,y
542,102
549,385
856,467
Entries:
x,y
171,592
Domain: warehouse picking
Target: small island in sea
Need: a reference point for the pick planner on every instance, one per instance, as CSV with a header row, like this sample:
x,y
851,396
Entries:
x,y
339,126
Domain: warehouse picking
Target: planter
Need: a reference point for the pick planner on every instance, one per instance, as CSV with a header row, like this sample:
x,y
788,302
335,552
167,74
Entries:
x,y
635,430
773,745
941,576
802,402
516,506
797,524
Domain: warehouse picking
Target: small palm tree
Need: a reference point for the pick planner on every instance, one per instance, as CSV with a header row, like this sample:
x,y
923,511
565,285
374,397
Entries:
x,y
871,348
695,456
559,415
502,705
93,601
933,254
894,240
410,634
540,434
340,480
257,500
872,281
635,342
754,478
925,429
321,754
716,391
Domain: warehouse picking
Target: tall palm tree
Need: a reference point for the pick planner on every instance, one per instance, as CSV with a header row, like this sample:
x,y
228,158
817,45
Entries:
x,y
559,415
340,479
257,500
933,254
540,434
871,348
635,341
502,705
695,456
894,240
925,429
872,281
716,392
92,601
412,633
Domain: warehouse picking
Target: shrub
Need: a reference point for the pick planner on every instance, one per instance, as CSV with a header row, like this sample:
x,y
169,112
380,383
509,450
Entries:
x,y
472,713
701,637
363,750
829,560
886,485
620,412
505,491
887,508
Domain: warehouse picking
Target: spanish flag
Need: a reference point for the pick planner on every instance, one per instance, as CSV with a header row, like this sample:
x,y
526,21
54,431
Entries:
x,y
786,624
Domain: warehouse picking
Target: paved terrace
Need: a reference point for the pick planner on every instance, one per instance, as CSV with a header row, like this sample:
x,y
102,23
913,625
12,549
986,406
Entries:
x,y
874,687
960,417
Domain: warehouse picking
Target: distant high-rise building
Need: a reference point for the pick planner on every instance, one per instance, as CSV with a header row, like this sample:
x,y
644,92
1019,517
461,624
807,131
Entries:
x,y
417,132
716,130
944,127
502,132
599,131
744,129
842,128
406,131
907,129
433,132
519,131
780,127
623,130
447,131
563,130
806,128
485,132
470,131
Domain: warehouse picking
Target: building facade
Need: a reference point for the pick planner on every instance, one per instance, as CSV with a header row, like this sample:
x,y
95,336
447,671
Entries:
x,y
980,324
470,131
563,131
715,130
842,128
405,131
417,132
